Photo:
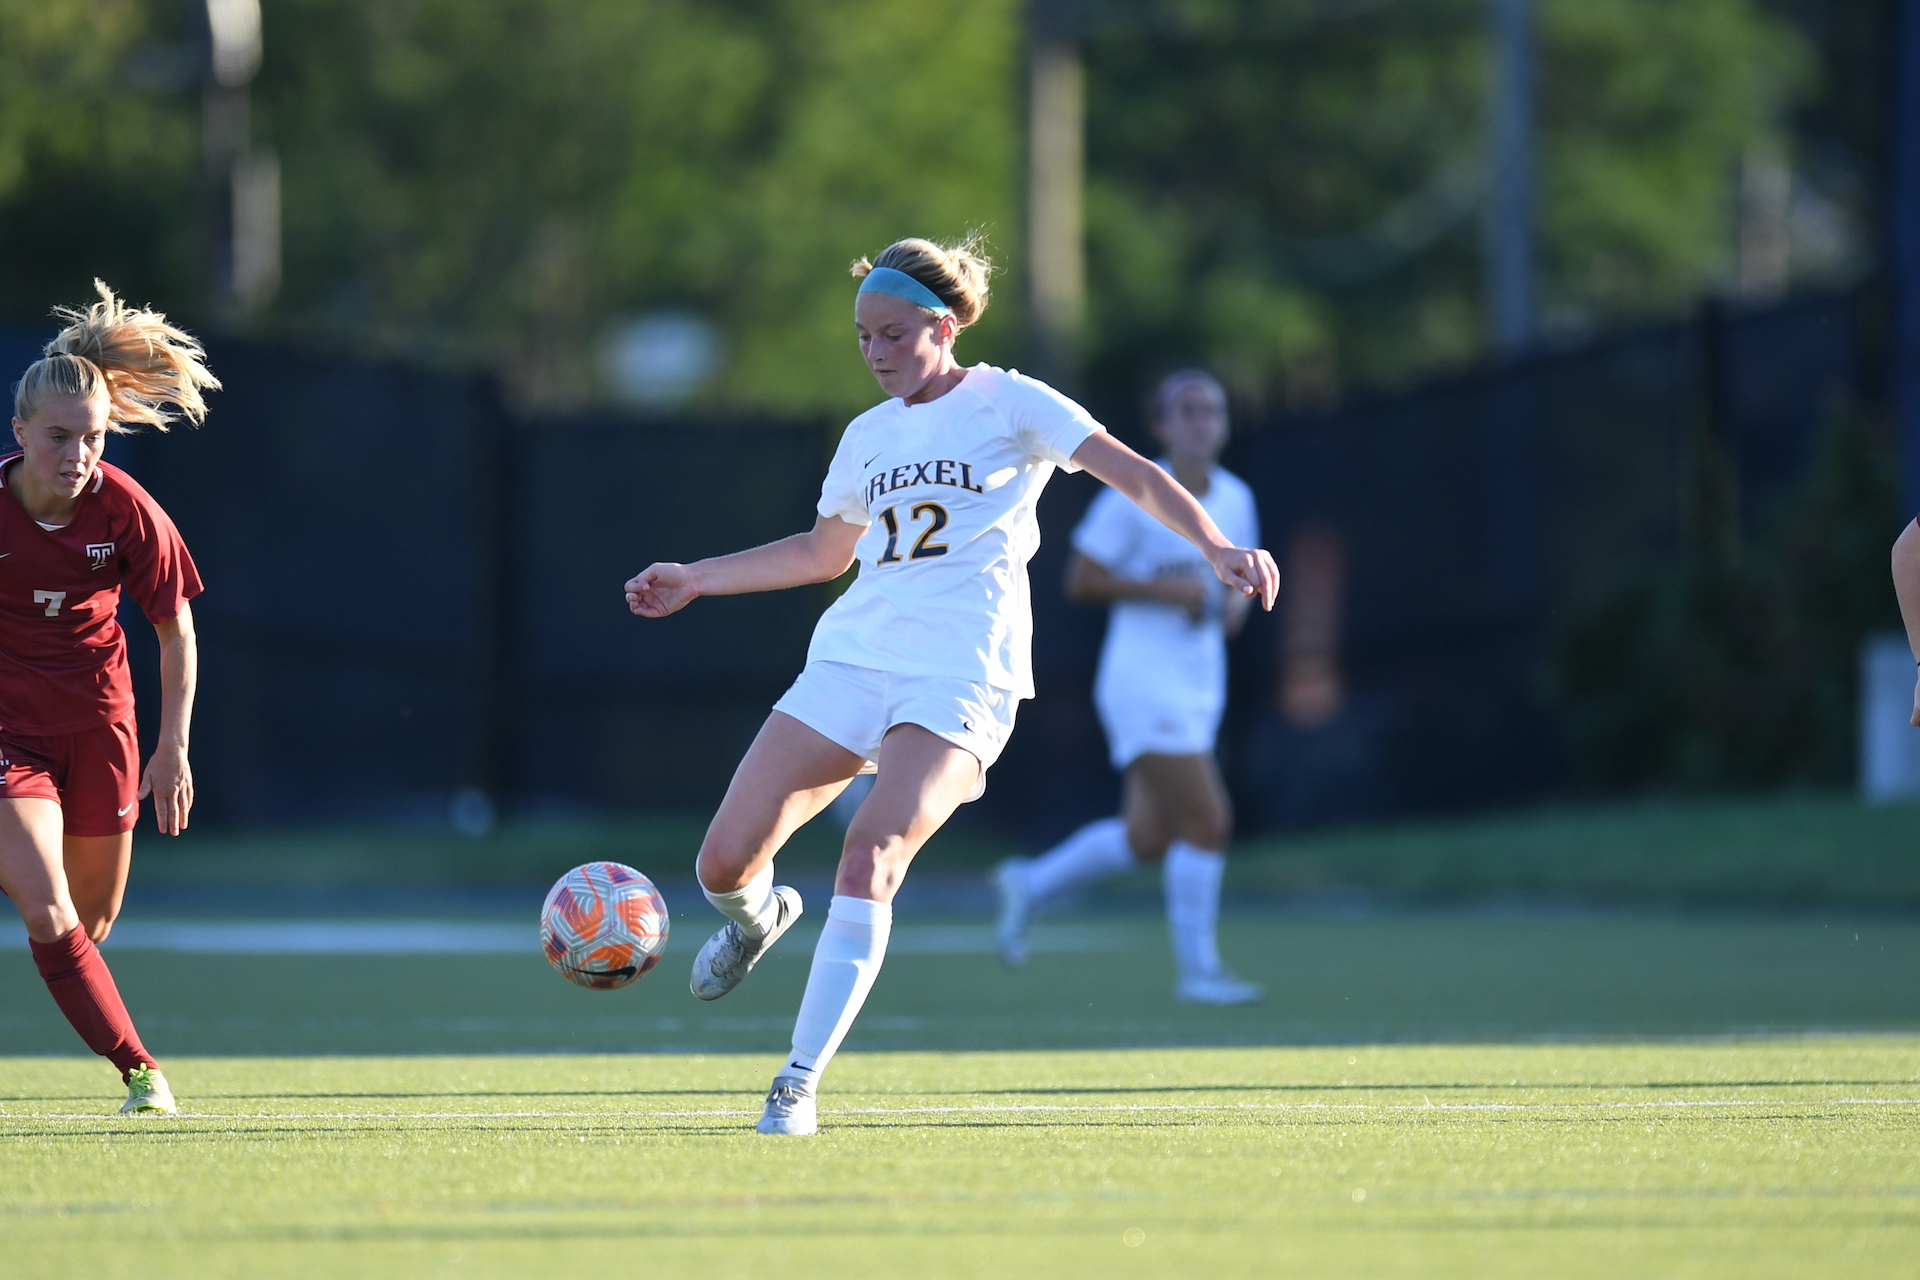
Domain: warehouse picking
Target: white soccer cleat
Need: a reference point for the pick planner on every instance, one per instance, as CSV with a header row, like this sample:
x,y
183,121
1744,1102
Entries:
x,y
147,1094
730,954
1016,911
1219,987
790,1110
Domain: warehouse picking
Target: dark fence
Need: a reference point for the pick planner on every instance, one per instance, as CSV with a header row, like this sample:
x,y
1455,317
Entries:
x,y
1476,516
410,595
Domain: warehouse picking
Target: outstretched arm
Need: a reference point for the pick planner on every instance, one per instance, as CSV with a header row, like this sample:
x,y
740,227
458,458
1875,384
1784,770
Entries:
x,y
168,777
819,555
1249,570
1906,585
1090,582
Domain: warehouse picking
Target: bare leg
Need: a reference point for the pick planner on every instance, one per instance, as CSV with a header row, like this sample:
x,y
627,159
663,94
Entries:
x,y
1172,798
923,779
789,774
34,874
1178,808
1167,798
97,879
32,869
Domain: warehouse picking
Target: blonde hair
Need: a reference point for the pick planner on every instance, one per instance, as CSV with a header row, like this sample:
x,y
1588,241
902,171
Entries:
x,y
956,273
144,366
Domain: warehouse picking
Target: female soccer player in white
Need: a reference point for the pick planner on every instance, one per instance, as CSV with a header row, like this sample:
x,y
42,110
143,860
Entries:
x,y
75,531
919,666
1161,688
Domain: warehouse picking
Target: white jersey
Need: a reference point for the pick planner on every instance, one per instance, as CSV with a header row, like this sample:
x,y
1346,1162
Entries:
x,y
947,493
1155,652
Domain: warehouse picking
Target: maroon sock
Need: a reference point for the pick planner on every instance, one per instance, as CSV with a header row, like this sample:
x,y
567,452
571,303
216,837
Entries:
x,y
77,976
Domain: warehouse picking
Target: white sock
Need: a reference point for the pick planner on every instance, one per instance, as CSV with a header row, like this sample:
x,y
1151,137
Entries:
x,y
752,904
1097,851
1191,878
845,963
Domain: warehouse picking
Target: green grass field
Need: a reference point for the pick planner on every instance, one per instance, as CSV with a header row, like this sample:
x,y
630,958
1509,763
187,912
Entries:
x,y
1770,1158
1472,1093
1792,849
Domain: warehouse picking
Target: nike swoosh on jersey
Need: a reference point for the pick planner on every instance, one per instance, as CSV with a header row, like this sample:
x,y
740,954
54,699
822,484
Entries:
x,y
869,461
121,813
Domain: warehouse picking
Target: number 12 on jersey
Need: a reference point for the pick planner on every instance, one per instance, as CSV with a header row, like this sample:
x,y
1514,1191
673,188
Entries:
x,y
924,547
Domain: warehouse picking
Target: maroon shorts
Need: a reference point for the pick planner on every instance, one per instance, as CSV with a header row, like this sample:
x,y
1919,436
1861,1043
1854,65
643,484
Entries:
x,y
93,775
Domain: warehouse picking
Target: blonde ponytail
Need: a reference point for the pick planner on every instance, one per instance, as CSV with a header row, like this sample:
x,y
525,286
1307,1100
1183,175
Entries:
x,y
957,274
144,366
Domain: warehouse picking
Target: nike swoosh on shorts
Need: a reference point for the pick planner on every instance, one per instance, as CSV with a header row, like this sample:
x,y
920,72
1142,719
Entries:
x,y
121,813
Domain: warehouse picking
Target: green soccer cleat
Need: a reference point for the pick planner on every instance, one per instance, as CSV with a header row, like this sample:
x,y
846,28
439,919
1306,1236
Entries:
x,y
147,1094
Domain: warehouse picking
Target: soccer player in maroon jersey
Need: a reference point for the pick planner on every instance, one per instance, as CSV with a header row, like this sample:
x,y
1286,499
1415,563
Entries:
x,y
75,531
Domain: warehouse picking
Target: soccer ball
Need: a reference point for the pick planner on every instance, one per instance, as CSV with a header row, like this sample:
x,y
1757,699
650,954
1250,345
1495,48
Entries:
x,y
604,925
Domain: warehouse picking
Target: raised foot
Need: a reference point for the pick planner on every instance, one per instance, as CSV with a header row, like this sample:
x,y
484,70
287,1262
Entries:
x,y
730,954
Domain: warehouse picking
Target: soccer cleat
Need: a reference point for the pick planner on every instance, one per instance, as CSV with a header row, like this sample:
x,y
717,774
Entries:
x,y
1219,987
730,954
147,1094
1016,911
790,1109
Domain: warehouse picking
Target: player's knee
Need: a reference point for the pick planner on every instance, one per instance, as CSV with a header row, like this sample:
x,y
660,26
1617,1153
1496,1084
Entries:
x,y
1209,831
1147,846
719,869
871,867
49,921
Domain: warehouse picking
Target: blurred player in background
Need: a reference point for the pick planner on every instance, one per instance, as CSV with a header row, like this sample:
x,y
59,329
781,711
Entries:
x,y
919,666
73,532
1160,692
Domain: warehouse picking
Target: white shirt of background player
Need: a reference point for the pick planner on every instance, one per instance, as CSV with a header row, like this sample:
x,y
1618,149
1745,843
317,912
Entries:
x,y
1175,806
1164,652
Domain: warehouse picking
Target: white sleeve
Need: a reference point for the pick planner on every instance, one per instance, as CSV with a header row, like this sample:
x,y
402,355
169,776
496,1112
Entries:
x,y
1105,534
1048,424
840,492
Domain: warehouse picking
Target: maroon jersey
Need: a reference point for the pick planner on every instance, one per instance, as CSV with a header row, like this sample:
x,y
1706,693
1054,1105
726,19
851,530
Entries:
x,y
63,656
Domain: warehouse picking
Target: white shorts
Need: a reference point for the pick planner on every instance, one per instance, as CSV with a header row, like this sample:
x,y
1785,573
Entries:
x,y
1136,727
855,706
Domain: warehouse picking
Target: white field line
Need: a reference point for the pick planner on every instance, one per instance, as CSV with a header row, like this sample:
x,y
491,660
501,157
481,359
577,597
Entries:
x,y
1095,1108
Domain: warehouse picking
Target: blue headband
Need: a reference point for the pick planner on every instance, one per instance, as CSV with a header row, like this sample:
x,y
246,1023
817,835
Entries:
x,y
902,285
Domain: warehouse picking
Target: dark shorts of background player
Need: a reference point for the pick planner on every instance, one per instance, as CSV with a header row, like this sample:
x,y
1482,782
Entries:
x,y
93,775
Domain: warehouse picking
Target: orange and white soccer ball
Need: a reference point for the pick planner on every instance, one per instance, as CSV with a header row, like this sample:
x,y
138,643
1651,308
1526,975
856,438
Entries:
x,y
604,925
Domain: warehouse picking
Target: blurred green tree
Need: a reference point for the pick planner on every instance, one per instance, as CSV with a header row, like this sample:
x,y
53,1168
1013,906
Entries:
x,y
1283,188
500,181
1289,190
98,155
